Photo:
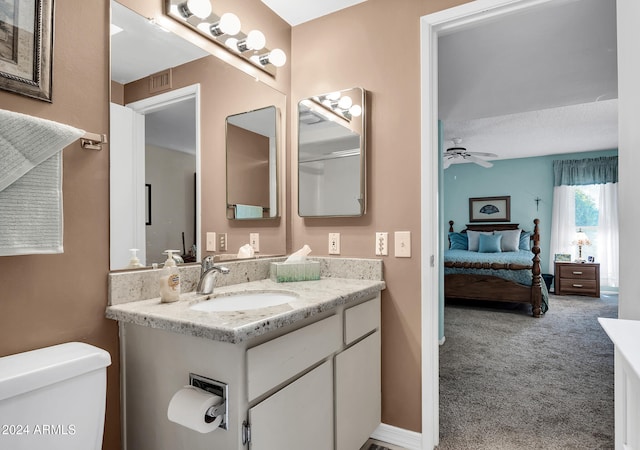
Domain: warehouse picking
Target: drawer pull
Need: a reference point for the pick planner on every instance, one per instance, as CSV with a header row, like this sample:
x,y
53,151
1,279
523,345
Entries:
x,y
577,285
577,273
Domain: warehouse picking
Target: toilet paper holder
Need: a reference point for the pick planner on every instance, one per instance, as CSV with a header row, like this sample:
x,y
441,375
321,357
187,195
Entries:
x,y
215,387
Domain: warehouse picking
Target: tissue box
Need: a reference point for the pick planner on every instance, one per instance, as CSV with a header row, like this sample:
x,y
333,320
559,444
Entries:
x,y
304,271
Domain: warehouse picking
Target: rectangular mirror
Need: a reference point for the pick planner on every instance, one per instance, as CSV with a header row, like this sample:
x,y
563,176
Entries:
x,y
331,155
252,164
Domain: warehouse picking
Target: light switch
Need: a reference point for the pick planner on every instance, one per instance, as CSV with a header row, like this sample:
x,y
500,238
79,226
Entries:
x,y
211,241
403,244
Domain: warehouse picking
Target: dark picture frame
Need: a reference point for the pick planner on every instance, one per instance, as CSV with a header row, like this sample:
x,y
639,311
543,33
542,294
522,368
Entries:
x,y
147,203
26,47
490,209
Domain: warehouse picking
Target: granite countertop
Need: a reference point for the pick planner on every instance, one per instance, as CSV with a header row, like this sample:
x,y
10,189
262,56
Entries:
x,y
313,297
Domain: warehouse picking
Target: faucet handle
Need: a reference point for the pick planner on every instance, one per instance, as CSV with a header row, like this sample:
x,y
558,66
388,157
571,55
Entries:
x,y
207,263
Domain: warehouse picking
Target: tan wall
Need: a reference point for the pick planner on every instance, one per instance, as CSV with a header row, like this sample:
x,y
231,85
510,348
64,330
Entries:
x,y
51,299
377,48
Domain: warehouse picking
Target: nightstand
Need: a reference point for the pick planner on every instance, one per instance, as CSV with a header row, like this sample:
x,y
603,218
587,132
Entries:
x,y
577,279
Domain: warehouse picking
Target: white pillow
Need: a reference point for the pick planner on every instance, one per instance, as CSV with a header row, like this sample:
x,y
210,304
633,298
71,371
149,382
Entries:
x,y
474,239
510,240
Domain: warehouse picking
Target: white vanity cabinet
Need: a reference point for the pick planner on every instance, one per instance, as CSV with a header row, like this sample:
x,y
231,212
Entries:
x,y
314,384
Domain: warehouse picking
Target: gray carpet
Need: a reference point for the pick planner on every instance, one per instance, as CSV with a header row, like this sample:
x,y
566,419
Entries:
x,y
509,381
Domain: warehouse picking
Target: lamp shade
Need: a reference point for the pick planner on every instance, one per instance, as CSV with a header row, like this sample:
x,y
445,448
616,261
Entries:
x,y
581,238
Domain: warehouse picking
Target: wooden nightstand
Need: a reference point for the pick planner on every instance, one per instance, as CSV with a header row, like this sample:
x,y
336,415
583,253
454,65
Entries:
x,y
577,279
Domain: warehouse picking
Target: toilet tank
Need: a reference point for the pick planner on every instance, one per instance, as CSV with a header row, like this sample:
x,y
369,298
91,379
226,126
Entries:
x,y
53,398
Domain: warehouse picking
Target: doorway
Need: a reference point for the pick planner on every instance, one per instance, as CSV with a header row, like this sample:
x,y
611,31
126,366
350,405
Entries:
x,y
133,209
433,26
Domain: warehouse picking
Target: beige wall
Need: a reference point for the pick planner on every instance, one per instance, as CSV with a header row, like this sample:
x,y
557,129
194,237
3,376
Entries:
x,y
377,48
50,299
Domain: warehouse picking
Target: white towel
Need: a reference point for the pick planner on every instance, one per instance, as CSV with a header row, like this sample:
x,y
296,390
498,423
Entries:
x,y
248,212
31,183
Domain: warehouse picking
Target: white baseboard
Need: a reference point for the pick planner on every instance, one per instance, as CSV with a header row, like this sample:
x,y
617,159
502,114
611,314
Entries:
x,y
398,436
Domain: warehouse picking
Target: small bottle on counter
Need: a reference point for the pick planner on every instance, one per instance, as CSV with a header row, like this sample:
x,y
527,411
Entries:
x,y
134,262
169,280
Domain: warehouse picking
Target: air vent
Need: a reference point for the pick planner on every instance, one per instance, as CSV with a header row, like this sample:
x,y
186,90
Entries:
x,y
160,81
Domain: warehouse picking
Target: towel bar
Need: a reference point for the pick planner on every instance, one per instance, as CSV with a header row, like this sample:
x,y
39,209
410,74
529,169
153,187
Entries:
x,y
93,141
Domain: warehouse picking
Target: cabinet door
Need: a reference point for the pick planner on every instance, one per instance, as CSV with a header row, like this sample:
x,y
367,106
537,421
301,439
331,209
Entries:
x,y
298,416
358,398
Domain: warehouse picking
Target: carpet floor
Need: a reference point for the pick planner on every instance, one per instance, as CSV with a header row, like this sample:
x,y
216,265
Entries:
x,y
509,381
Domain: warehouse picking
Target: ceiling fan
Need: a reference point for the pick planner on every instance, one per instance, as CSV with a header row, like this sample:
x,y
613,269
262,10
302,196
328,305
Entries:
x,y
457,152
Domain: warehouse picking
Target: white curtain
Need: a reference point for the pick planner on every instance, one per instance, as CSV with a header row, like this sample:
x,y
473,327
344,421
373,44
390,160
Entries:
x,y
608,252
563,223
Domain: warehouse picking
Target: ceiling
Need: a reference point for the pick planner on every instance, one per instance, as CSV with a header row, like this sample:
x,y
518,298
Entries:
x,y
295,12
535,83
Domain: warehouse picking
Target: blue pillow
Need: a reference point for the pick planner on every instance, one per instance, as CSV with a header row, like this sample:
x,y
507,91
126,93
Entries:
x,y
489,243
458,241
525,241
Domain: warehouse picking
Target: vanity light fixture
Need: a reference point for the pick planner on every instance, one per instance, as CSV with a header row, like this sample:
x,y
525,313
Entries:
x,y
341,105
225,30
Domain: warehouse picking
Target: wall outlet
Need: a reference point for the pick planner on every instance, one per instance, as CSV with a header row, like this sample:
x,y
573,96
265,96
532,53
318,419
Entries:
x,y
222,242
334,243
211,241
254,241
382,243
403,244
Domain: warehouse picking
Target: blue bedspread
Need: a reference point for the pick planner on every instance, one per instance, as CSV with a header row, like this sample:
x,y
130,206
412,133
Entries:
x,y
523,257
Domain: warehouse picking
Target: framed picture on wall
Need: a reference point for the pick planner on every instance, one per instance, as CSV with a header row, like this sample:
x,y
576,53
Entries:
x,y
26,47
490,209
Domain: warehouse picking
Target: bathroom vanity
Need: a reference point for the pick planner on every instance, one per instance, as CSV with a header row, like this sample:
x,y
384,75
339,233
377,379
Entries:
x,y
301,374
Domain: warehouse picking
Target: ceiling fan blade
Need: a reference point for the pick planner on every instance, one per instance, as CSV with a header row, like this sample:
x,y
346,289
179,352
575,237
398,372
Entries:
x,y
446,162
485,155
480,162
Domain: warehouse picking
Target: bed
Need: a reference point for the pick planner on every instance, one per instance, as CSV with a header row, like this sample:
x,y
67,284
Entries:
x,y
492,269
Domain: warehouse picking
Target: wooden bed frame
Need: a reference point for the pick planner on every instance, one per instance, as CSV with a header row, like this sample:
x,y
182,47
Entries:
x,y
491,288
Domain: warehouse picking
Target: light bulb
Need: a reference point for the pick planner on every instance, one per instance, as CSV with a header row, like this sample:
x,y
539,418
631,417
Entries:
x,y
333,96
232,43
277,57
229,24
199,8
327,103
204,27
256,40
345,102
355,110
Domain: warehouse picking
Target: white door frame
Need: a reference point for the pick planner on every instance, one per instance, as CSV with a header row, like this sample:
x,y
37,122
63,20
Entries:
x,y
432,26
157,103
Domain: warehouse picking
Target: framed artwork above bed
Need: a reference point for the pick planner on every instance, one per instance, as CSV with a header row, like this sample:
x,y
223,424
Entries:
x,y
490,209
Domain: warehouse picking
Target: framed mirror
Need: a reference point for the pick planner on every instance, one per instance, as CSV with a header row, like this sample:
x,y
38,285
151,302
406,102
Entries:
x,y
252,164
332,154
200,91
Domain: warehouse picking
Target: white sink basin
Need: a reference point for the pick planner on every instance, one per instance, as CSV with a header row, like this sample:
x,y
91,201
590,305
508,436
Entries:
x,y
244,301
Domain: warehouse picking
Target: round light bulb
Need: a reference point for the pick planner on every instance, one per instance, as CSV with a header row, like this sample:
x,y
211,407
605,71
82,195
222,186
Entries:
x,y
333,96
327,103
230,24
355,110
277,57
345,102
256,40
204,27
232,43
199,8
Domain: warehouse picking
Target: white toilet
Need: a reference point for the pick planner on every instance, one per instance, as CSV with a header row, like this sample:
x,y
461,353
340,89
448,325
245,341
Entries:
x,y
53,398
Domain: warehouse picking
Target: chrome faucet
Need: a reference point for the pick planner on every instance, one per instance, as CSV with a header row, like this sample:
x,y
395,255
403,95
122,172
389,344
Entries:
x,y
208,275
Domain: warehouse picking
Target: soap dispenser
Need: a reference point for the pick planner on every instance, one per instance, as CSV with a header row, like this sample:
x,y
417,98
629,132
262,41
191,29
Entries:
x,y
134,262
169,280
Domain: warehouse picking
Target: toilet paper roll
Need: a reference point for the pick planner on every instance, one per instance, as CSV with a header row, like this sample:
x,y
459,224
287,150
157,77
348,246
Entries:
x,y
188,407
